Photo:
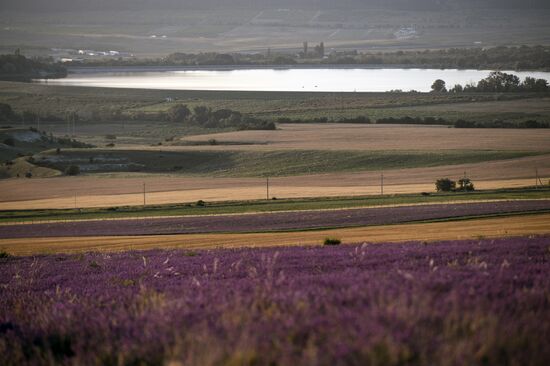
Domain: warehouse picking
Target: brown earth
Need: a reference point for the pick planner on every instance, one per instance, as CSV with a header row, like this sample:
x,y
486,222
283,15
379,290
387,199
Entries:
x,y
493,227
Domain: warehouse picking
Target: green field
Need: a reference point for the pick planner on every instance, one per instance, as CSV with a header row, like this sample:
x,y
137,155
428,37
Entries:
x,y
235,207
259,163
135,115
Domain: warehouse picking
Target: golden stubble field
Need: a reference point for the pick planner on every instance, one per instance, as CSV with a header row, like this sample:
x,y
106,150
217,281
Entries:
x,y
104,190
381,138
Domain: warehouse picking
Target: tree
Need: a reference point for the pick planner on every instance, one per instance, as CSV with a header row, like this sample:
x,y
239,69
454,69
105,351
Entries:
x,y
6,113
73,170
456,89
201,114
465,184
445,185
179,113
439,86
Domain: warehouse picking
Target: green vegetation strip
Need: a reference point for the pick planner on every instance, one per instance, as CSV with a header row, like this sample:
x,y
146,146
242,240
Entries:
x,y
262,163
240,207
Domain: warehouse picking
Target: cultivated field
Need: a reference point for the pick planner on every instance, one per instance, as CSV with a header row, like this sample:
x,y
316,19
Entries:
x,y
512,226
107,191
377,304
282,221
406,138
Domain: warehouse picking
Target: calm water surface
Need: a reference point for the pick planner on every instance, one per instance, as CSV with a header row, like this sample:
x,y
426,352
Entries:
x,y
322,80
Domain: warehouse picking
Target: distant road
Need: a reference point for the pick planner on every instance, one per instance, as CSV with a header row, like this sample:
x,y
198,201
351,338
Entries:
x,y
302,220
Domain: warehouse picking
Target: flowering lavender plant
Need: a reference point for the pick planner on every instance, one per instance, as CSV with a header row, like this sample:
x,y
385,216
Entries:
x,y
448,303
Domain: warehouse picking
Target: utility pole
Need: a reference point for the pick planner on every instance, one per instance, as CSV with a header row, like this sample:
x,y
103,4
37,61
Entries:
x,y
267,187
382,184
144,201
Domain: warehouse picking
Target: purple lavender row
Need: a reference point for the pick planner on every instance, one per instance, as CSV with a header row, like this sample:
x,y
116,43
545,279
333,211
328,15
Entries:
x,y
452,303
270,221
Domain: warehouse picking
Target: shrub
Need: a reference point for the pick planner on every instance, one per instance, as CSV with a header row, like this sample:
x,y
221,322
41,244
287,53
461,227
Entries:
x,y
332,241
4,254
110,137
201,203
465,184
10,141
445,185
72,170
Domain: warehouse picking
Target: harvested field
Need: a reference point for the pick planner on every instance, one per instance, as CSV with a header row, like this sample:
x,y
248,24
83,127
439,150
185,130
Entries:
x,y
127,189
341,136
301,220
499,227
380,304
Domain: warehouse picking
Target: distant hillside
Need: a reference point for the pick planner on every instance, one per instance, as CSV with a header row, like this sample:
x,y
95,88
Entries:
x,y
57,5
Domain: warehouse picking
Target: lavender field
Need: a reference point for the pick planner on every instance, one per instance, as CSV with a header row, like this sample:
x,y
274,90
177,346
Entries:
x,y
482,302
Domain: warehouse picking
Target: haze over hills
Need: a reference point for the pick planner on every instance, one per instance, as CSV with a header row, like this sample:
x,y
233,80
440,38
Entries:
x,y
33,5
156,28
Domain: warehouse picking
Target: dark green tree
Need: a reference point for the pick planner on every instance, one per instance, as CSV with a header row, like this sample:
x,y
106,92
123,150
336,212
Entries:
x,y
439,86
179,113
445,185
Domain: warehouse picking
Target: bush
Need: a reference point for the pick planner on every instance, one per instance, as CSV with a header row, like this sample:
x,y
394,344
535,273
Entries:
x,y
465,184
4,254
10,141
201,203
332,241
72,170
445,185
110,137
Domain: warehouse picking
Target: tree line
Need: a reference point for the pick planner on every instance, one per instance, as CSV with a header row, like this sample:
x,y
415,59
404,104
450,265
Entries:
x,y
16,67
201,116
495,58
498,82
206,117
432,121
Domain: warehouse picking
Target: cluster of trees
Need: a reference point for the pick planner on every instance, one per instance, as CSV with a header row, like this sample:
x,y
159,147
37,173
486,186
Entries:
x,y
198,116
497,81
501,124
222,118
16,67
434,121
515,58
448,185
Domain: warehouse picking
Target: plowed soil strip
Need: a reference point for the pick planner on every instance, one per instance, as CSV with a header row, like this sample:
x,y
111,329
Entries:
x,y
303,220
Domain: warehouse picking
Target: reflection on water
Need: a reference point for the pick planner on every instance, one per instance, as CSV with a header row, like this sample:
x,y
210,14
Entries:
x,y
326,80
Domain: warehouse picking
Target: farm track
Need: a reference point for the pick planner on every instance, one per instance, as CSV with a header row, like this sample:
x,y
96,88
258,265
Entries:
x,y
265,222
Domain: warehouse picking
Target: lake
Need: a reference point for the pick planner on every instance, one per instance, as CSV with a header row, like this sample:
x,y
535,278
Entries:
x,y
298,79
